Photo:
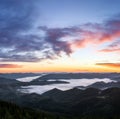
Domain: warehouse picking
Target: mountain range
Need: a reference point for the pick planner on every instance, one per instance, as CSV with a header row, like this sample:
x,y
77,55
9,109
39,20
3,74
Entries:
x,y
97,101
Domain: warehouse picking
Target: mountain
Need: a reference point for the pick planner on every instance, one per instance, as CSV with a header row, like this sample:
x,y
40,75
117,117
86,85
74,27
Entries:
x,y
89,102
18,75
113,76
75,103
102,85
94,102
7,81
12,111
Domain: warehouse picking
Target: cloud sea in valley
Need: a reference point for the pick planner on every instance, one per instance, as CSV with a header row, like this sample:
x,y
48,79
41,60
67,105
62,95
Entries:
x,y
39,89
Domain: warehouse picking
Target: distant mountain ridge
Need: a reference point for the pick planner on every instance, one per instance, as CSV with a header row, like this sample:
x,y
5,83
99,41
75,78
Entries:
x,y
18,75
75,103
62,75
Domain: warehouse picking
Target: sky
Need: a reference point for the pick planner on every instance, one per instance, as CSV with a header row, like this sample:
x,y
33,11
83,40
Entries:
x,y
59,36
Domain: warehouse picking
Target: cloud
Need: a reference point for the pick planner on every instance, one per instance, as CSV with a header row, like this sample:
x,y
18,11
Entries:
x,y
16,18
113,47
18,38
110,50
97,33
22,41
93,33
10,66
19,58
53,37
112,65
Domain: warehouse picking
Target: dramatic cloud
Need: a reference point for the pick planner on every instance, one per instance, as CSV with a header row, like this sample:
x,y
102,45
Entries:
x,y
16,18
10,66
91,33
54,35
18,38
21,40
112,65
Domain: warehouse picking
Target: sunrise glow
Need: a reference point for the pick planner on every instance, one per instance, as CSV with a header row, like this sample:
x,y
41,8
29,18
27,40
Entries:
x,y
61,36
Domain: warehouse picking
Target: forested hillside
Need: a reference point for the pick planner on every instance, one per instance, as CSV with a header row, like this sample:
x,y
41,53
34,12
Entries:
x,y
12,111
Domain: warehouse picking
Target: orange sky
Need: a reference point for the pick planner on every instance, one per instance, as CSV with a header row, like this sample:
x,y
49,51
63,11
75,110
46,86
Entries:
x,y
38,36
57,68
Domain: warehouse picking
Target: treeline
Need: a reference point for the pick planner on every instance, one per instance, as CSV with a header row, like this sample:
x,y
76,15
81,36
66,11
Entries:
x,y
12,111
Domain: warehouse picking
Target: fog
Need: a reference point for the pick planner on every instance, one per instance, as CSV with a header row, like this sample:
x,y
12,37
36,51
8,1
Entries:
x,y
72,83
29,79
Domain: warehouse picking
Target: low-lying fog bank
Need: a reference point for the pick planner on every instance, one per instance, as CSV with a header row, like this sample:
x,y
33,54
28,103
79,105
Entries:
x,y
65,86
